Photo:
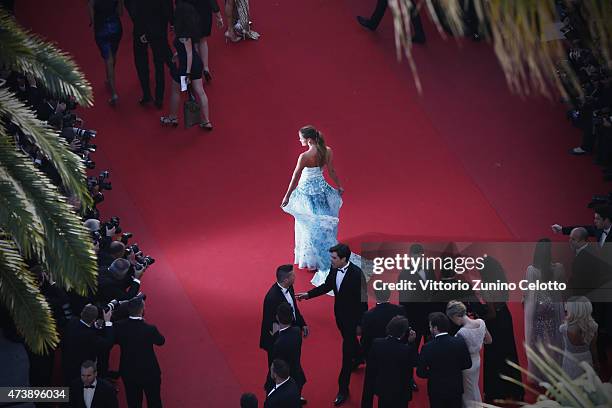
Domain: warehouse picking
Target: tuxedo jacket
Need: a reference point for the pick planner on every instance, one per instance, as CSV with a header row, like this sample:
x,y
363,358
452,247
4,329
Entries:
x,y
136,339
288,347
442,361
418,302
593,232
286,396
273,298
590,273
80,343
389,371
374,323
105,395
150,17
350,302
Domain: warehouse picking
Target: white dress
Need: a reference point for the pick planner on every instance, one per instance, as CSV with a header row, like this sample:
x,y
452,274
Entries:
x,y
474,338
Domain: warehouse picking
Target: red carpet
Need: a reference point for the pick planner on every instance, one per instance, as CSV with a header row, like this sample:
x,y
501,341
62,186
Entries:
x,y
466,159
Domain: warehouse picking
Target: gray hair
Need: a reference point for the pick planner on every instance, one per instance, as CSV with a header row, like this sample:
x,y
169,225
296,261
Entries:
x,y
455,308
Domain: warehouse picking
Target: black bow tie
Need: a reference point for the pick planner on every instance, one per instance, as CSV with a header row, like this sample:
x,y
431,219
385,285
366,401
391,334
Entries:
x,y
89,386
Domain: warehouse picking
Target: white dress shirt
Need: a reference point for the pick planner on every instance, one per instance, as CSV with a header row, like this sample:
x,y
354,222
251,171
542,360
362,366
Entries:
x,y
604,235
88,394
287,295
278,385
340,276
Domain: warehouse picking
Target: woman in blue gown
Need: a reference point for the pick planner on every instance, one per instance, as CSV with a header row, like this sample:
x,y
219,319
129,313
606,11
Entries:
x,y
314,204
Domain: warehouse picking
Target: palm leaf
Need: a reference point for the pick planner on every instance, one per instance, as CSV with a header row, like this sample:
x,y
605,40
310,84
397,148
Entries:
x,y
68,254
27,306
69,166
22,51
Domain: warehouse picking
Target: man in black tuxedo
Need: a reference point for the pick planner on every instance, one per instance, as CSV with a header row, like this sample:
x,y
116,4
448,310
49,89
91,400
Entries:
x,y
442,361
138,364
82,341
379,12
417,303
285,392
89,391
602,223
347,282
118,282
389,369
281,292
151,19
288,347
375,321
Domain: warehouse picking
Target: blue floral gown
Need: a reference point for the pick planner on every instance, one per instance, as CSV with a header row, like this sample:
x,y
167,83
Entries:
x,y
315,206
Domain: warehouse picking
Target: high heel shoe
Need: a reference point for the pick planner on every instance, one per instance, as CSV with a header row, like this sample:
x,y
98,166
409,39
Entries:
x,y
231,37
168,121
206,125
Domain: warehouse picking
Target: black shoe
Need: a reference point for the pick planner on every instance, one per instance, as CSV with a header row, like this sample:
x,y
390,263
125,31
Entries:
x,y
340,399
303,401
356,364
207,76
159,104
366,23
145,100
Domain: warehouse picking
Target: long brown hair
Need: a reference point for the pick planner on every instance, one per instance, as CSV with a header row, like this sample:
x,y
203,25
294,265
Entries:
x,y
310,132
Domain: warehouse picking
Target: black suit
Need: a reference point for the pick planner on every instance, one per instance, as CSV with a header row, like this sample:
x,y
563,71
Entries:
x,y
105,395
374,323
151,19
417,303
442,361
389,373
288,347
285,396
350,303
273,299
80,343
138,364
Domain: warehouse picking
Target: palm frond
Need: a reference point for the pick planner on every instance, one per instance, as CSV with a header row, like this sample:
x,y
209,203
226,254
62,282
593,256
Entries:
x,y
68,254
18,218
25,52
69,166
27,306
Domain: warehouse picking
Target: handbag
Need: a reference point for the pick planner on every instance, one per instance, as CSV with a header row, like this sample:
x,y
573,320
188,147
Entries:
x,y
191,110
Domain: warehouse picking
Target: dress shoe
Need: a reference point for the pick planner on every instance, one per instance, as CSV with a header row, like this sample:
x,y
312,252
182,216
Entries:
x,y
366,23
145,100
340,399
303,401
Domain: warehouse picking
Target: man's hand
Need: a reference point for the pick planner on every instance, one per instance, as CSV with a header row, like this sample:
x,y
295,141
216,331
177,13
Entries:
x,y
556,228
411,336
358,330
132,258
305,331
75,145
219,20
143,39
110,231
301,296
107,315
138,272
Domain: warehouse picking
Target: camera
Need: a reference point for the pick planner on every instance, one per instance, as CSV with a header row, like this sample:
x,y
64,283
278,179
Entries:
x,y
125,237
113,223
116,304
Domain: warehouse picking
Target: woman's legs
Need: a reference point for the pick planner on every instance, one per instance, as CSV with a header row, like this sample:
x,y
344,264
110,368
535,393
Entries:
x,y
199,90
229,16
175,98
110,76
204,53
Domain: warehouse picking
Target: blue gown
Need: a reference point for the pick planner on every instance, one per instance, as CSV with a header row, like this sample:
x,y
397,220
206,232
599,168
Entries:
x,y
315,206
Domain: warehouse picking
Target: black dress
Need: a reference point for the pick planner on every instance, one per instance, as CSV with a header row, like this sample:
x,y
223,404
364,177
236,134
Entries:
x,y
501,349
107,27
186,25
205,9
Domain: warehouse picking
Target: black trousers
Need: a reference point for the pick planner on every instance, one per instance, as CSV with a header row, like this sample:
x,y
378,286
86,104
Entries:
x,y
350,353
445,401
162,55
134,389
415,19
391,402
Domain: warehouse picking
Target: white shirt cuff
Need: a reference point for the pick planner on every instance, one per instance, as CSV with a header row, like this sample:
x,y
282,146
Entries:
x,y
136,280
108,324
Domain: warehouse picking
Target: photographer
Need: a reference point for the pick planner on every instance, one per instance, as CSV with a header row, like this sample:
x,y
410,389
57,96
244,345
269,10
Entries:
x,y
84,339
138,364
118,282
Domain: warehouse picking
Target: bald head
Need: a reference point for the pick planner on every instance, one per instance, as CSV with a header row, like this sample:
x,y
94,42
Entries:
x,y
578,237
